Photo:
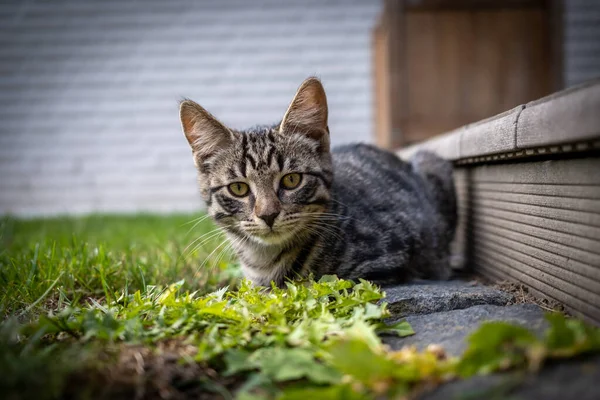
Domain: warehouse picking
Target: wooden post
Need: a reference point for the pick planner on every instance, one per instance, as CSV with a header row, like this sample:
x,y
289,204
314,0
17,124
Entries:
x,y
389,71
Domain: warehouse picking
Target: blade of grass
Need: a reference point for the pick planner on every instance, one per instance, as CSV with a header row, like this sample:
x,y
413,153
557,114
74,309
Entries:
x,y
35,303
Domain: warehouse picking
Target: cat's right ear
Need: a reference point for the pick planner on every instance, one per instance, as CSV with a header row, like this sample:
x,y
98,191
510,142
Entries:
x,y
205,134
308,113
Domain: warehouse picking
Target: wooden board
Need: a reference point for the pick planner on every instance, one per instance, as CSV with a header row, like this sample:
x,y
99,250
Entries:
x,y
439,66
464,66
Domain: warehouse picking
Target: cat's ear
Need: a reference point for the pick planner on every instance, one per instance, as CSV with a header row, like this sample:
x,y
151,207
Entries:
x,y
205,134
308,113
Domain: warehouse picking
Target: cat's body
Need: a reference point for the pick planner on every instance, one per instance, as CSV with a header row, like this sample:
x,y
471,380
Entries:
x,y
383,223
393,226
292,207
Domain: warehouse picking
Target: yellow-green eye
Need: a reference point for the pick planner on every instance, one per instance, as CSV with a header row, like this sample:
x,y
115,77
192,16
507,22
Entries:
x,y
239,189
291,181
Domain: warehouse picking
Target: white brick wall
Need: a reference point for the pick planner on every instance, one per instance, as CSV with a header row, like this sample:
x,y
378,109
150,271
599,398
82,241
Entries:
x,y
581,40
89,90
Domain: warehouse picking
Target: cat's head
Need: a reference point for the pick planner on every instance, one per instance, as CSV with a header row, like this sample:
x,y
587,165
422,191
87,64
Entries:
x,y
264,184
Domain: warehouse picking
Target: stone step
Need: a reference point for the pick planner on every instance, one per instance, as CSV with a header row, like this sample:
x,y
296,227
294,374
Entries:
x,y
450,329
446,313
427,297
559,380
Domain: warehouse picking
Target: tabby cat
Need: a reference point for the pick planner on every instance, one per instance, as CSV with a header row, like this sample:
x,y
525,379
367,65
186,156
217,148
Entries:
x,y
291,206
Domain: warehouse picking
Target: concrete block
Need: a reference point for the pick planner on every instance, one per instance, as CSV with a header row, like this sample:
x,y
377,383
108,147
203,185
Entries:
x,y
446,146
492,135
567,116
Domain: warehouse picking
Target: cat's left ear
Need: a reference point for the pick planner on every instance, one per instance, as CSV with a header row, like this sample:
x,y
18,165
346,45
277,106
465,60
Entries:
x,y
308,113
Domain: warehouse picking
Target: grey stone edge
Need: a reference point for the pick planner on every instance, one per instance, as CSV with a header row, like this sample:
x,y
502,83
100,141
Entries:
x,y
568,116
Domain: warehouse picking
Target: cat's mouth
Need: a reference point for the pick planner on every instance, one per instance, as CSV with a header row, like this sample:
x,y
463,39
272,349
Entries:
x,y
272,236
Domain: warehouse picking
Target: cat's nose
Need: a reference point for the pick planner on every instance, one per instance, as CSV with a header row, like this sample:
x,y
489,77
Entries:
x,y
269,218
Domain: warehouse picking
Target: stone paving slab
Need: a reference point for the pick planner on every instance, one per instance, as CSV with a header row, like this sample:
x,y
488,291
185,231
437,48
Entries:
x,y
569,379
446,313
429,297
450,329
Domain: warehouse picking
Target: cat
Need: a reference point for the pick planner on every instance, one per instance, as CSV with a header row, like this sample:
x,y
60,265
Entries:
x,y
293,207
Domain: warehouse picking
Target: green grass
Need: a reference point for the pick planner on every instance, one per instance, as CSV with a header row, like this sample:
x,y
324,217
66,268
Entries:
x,y
46,264
151,307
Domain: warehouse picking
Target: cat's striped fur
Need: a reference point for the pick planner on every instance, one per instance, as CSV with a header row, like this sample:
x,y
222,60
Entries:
x,y
358,212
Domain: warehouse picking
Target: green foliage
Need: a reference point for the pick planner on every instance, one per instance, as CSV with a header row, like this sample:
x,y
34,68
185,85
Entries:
x,y
301,315
29,369
337,392
78,287
569,337
316,332
498,346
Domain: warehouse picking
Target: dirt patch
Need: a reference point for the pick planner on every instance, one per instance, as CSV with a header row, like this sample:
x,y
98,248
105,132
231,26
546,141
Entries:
x,y
167,371
521,295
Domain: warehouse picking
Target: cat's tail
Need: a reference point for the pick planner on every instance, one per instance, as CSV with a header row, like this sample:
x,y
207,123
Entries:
x,y
438,175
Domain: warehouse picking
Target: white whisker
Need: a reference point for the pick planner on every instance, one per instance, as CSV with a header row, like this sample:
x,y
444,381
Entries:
x,y
211,253
197,222
203,238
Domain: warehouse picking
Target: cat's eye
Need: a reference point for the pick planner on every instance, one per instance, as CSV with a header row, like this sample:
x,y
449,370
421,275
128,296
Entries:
x,y
291,181
239,189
